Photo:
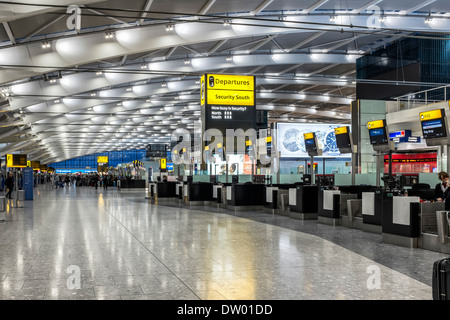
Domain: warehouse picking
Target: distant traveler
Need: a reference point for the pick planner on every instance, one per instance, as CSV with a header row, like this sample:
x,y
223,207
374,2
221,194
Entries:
x,y
9,183
56,181
442,188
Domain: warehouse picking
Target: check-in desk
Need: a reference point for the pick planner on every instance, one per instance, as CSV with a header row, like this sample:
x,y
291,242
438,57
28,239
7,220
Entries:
x,y
245,196
217,194
179,191
132,184
303,202
271,204
152,190
434,233
199,193
326,212
351,216
401,222
166,190
277,199
225,194
372,211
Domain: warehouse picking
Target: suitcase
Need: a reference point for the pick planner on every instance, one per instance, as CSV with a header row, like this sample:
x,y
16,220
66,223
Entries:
x,y
441,279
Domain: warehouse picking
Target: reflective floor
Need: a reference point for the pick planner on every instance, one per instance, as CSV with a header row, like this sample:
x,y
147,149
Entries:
x,y
82,243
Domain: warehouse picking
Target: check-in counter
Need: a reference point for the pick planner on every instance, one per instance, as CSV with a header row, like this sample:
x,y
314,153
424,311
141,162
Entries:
x,y
303,202
351,217
166,190
401,222
132,184
434,225
277,198
217,193
271,199
152,190
225,190
245,196
372,211
199,193
179,190
325,206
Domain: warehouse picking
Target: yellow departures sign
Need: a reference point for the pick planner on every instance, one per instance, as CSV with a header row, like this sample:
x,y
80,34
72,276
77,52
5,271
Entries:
x,y
227,90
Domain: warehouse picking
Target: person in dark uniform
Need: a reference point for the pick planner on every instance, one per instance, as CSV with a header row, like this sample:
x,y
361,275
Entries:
x,y
9,183
442,189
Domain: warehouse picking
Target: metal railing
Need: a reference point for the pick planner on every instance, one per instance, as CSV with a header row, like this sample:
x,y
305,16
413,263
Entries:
x,y
423,98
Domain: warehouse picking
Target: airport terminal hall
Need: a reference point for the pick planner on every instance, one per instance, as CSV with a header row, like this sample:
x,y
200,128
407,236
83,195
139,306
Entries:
x,y
243,151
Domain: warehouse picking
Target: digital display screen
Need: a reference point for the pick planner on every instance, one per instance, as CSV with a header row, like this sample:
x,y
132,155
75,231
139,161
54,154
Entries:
x,y
433,129
378,136
310,145
20,160
343,140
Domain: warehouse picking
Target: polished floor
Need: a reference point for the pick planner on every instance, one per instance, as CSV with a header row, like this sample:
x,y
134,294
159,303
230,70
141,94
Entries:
x,y
82,243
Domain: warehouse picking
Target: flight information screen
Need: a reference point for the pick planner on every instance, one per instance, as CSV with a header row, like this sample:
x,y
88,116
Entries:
x,y
433,129
378,136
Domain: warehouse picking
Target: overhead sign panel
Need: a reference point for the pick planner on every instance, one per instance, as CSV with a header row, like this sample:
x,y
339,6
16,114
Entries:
x,y
228,102
102,159
16,160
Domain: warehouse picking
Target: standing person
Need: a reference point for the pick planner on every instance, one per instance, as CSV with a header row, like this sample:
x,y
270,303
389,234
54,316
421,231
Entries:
x,y
9,183
442,189
56,181
105,181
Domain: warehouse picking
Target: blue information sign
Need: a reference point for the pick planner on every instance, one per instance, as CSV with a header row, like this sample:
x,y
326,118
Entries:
x,y
28,183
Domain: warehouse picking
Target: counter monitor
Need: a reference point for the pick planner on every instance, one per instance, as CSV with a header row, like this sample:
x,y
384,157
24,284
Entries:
x,y
342,138
377,132
310,142
433,124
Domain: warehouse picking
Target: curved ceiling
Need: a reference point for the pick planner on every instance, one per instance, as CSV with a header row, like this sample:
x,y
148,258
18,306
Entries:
x,y
88,76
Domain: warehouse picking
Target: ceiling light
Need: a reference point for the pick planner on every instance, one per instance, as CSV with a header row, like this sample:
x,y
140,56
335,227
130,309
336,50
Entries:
x,y
170,27
143,66
382,18
163,84
334,18
227,23
99,73
429,20
229,58
187,61
46,44
109,35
